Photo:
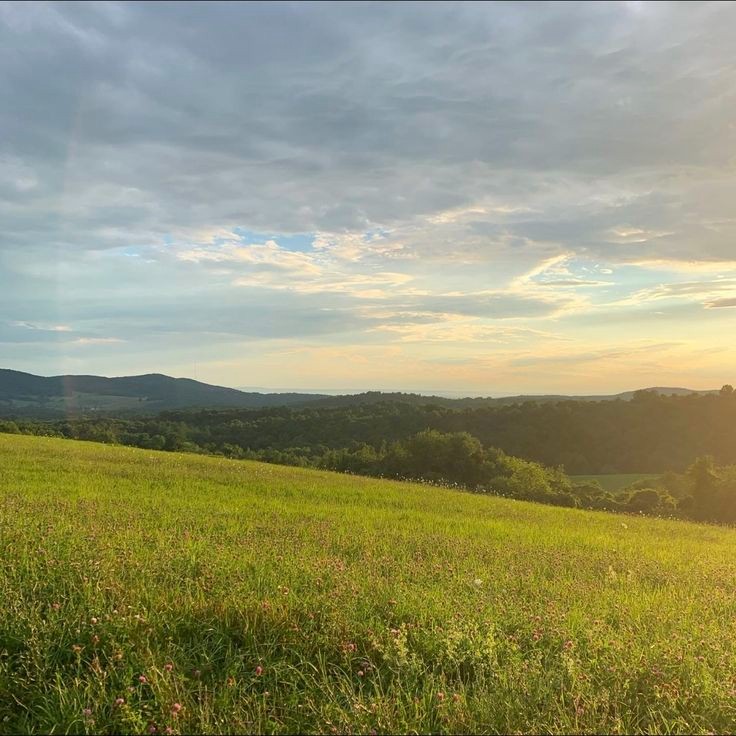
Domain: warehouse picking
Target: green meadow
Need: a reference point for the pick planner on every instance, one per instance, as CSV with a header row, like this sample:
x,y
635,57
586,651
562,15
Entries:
x,y
614,481
147,592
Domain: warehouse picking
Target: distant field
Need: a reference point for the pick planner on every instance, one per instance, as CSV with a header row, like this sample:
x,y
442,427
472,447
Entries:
x,y
615,481
157,592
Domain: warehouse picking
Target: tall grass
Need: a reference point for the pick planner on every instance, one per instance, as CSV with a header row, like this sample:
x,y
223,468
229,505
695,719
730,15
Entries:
x,y
154,592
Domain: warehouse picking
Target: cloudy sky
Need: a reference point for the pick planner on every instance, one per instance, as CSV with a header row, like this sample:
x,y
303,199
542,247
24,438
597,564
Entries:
x,y
485,198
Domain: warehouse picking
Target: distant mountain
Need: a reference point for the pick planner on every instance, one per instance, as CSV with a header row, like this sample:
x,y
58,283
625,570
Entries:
x,y
623,396
24,394
373,397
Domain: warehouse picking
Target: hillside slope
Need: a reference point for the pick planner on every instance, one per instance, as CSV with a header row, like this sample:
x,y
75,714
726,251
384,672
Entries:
x,y
143,590
30,395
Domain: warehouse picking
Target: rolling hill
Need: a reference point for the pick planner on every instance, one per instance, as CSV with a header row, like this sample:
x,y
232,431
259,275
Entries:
x,y
25,394
168,593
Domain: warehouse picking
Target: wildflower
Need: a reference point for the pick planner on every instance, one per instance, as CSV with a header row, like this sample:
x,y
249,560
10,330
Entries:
x,y
169,731
143,679
93,620
119,701
95,639
87,712
76,648
569,644
168,666
440,696
361,673
56,606
259,671
455,697
152,728
175,708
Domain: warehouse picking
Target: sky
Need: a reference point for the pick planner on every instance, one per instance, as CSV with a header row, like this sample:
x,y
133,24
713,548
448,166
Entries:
x,y
478,198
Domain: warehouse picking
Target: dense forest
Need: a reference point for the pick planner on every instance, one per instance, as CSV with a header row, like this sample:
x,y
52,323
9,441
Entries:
x,y
648,434
480,449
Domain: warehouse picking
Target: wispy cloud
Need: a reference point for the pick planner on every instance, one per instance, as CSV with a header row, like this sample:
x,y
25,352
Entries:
x,y
721,303
41,326
96,341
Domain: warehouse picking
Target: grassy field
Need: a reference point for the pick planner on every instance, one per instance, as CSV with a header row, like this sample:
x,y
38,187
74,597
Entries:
x,y
614,481
151,592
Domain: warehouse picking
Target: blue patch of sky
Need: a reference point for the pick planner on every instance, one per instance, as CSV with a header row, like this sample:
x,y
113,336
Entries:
x,y
290,241
621,280
376,234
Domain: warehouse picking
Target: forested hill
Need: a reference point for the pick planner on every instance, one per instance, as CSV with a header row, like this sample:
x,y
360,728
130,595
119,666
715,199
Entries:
x,y
24,394
650,433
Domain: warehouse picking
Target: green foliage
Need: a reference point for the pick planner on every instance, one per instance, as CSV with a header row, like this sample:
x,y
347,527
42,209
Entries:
x,y
649,434
456,459
705,492
643,500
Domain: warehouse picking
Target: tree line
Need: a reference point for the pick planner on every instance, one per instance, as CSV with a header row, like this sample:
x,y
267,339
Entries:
x,y
648,434
703,491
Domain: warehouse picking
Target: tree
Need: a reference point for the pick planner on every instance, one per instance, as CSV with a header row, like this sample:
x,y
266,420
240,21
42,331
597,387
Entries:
x,y
704,486
644,500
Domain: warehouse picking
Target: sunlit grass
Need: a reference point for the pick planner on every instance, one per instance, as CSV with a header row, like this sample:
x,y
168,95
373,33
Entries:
x,y
253,597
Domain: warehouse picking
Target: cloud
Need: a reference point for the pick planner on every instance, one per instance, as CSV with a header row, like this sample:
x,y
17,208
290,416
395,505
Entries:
x,y
96,341
335,123
687,290
474,164
267,255
42,327
721,303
